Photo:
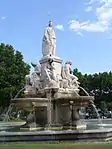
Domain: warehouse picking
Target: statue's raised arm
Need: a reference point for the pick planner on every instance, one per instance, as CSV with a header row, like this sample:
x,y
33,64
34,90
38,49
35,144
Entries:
x,y
49,41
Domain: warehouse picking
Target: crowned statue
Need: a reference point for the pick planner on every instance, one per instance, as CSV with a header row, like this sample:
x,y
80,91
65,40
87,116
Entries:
x,y
49,41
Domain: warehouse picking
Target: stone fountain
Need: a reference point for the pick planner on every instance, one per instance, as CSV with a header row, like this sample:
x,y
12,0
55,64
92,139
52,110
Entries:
x,y
52,91
53,101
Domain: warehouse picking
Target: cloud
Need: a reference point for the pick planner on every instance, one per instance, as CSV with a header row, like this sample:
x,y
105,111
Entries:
x,y
103,14
92,1
59,27
87,26
3,17
88,9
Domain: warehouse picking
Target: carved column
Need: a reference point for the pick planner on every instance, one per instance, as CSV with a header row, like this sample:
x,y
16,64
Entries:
x,y
49,108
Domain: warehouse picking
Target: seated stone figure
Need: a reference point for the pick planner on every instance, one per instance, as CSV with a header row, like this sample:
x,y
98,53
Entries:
x,y
27,79
35,76
64,82
69,80
33,79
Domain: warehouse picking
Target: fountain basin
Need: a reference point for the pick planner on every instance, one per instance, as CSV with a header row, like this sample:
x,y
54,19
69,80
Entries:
x,y
81,101
68,135
59,106
10,125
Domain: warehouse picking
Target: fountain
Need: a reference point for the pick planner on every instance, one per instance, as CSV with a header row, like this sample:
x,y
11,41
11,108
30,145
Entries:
x,y
52,98
51,91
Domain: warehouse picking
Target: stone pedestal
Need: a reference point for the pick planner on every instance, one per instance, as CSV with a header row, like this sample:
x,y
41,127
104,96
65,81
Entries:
x,y
57,64
75,119
41,116
62,113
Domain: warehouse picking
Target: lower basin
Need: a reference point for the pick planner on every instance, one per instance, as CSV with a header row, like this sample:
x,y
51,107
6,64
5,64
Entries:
x,y
10,125
12,132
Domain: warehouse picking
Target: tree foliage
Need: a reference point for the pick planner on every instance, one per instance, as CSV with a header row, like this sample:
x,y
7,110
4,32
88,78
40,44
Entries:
x,y
98,85
12,73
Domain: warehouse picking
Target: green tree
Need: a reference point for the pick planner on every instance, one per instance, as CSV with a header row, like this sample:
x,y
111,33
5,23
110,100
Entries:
x,y
12,73
99,85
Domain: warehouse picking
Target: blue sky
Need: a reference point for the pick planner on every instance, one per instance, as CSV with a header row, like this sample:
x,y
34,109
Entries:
x,y
83,30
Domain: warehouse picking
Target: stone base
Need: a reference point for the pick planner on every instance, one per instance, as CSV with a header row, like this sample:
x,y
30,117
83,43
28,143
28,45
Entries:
x,y
81,127
70,135
56,128
57,64
77,127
